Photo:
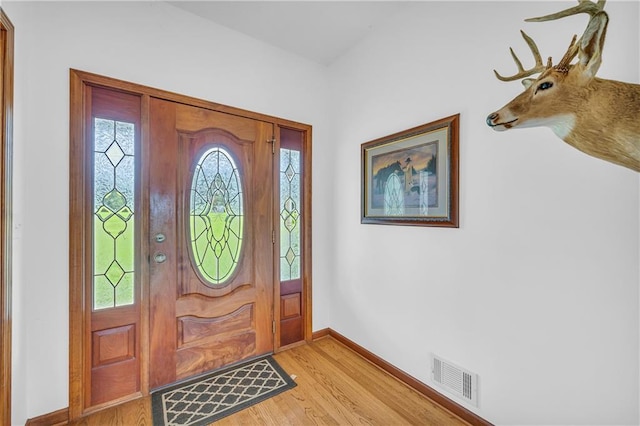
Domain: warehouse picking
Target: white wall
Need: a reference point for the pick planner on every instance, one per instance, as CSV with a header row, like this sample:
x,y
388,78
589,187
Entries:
x,y
537,292
148,43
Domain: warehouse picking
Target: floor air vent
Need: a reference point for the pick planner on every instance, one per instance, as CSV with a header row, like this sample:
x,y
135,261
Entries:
x,y
455,380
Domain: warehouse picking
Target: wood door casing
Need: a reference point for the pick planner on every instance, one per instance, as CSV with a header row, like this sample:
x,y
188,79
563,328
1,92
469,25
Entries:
x,y
80,345
196,327
6,167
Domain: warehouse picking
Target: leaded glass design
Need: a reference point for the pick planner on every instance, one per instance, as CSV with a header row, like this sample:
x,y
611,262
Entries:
x,y
113,214
290,196
216,216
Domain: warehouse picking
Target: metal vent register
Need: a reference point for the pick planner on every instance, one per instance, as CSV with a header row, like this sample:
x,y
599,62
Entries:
x,y
455,380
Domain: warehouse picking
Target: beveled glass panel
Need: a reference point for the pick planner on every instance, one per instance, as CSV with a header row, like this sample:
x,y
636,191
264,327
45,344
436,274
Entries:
x,y
216,216
113,219
290,208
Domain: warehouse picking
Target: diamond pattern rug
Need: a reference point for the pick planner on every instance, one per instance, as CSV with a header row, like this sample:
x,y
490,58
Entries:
x,y
209,398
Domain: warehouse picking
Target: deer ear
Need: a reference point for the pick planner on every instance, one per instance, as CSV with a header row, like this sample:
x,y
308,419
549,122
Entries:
x,y
527,82
591,44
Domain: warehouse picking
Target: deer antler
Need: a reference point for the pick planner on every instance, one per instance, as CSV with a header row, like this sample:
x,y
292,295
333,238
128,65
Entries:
x,y
572,51
537,68
584,6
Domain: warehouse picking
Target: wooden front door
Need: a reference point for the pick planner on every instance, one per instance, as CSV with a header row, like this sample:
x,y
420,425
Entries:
x,y
211,240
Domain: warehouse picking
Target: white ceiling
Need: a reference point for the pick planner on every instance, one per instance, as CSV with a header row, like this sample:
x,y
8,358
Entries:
x,y
317,30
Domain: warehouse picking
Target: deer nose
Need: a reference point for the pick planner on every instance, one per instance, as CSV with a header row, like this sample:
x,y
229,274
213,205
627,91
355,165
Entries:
x,y
491,119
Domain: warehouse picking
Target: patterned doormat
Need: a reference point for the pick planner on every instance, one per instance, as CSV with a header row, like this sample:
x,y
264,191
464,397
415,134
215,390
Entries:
x,y
209,398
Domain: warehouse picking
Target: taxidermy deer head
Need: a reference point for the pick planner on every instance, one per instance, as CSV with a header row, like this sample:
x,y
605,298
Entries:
x,y
599,117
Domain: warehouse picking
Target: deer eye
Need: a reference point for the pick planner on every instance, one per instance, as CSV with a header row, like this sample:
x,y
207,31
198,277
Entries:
x,y
544,86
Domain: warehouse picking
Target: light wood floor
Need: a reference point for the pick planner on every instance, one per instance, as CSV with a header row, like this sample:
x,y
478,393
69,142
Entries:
x,y
336,386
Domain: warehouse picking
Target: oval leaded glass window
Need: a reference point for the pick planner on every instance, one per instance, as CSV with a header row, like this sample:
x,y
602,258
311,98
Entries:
x,y
216,217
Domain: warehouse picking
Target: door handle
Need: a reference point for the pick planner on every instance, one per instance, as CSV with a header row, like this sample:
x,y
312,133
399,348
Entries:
x,y
159,257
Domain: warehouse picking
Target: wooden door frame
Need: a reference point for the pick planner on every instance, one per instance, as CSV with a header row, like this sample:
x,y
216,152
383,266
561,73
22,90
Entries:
x,y
305,242
79,242
6,161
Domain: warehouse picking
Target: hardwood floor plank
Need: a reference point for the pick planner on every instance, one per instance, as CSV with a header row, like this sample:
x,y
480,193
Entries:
x,y
325,394
321,405
335,386
399,397
350,394
136,412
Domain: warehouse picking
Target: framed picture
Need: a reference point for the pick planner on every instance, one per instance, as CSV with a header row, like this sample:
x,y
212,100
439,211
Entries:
x,y
411,177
